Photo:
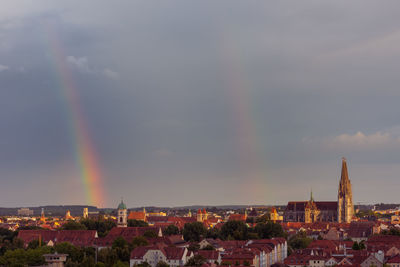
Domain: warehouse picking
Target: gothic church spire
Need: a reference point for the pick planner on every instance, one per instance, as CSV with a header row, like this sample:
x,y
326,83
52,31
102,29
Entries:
x,y
345,196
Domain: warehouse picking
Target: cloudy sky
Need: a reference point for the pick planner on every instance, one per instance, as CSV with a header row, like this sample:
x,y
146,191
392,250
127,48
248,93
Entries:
x,y
198,102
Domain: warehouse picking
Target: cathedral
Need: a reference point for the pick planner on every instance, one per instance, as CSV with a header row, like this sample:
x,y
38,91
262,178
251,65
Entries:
x,y
341,211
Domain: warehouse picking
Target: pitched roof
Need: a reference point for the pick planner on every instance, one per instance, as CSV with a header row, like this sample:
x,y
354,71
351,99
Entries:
x,y
82,238
128,233
137,215
171,253
395,259
321,205
174,253
209,254
237,217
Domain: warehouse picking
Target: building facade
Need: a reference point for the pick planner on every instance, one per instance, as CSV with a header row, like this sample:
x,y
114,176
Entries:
x,y
311,211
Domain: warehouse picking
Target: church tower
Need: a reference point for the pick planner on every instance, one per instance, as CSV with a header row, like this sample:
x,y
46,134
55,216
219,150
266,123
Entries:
x,y
122,215
345,197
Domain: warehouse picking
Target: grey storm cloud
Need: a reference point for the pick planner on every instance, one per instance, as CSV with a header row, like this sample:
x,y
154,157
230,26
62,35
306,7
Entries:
x,y
200,102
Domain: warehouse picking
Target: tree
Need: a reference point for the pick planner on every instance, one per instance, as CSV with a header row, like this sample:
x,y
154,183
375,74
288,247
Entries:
x,y
121,264
299,241
137,223
250,220
21,257
171,230
263,219
391,231
143,264
87,262
121,247
150,234
107,256
119,242
100,225
72,225
138,241
236,230
74,253
17,243
193,247
269,230
162,264
196,260
213,233
355,246
208,247
33,244
194,231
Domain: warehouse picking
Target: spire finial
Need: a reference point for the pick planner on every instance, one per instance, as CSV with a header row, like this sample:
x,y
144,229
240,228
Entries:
x,y
311,196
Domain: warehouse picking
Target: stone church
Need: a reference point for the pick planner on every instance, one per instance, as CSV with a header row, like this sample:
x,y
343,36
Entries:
x,y
310,211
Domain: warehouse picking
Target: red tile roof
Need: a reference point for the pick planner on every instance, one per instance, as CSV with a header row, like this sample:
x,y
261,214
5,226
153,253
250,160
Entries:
x,y
137,215
395,259
209,254
237,217
171,253
82,238
128,233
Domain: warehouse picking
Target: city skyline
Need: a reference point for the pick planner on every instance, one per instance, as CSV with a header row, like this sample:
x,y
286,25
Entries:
x,y
177,104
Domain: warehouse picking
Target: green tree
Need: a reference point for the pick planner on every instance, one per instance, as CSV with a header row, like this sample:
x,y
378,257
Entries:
x,y
87,262
208,247
150,234
269,230
33,244
250,220
72,225
162,264
75,254
121,264
108,256
213,233
100,225
137,223
355,246
194,231
138,241
236,230
171,230
263,219
144,264
299,241
121,247
193,247
119,242
21,257
196,260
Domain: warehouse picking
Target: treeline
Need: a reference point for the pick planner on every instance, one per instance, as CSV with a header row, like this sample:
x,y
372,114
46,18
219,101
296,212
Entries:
x,y
232,230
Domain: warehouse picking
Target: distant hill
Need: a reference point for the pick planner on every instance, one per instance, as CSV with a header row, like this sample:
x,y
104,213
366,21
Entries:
x,y
59,210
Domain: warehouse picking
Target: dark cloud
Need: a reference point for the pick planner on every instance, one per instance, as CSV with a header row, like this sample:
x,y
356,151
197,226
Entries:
x,y
200,102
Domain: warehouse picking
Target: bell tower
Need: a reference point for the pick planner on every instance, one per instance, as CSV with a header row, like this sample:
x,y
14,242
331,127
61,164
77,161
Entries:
x,y
345,196
122,215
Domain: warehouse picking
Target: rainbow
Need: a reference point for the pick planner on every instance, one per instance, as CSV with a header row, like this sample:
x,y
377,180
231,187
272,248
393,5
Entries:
x,y
239,92
84,151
